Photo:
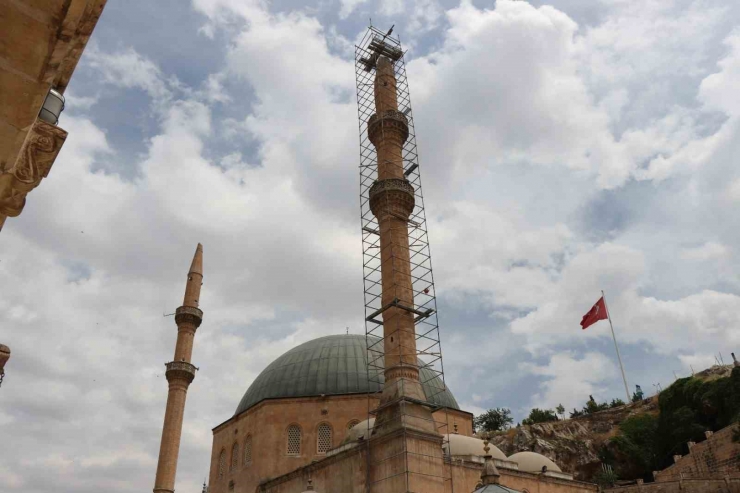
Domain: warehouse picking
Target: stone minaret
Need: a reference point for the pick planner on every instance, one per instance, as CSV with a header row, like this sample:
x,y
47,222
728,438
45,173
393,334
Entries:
x,y
180,372
404,422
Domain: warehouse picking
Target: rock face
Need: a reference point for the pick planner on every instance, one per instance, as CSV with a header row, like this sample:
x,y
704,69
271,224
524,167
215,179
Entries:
x,y
573,444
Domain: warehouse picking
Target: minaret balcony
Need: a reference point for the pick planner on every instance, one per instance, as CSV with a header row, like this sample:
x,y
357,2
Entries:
x,y
394,196
387,122
189,314
180,370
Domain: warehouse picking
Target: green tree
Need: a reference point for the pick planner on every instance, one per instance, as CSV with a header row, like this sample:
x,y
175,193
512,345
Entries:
x,y
496,419
606,478
637,446
593,407
616,403
576,413
560,410
688,407
538,415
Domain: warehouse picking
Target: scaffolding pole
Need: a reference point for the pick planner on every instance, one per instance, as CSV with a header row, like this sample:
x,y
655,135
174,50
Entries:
x,y
377,258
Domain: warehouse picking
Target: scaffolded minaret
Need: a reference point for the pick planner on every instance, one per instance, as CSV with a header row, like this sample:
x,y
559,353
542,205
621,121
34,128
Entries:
x,y
405,453
180,372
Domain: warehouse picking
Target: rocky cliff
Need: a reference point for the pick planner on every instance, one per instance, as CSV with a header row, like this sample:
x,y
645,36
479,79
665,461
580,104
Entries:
x,y
574,444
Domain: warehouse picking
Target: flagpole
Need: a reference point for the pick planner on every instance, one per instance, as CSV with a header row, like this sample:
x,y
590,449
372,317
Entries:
x,y
619,358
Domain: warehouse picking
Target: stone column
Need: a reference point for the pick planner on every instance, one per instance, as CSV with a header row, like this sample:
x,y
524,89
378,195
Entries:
x,y
406,453
180,373
392,202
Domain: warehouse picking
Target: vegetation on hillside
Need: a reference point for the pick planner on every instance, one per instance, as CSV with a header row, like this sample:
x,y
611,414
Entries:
x,y
537,415
593,407
497,419
635,440
688,408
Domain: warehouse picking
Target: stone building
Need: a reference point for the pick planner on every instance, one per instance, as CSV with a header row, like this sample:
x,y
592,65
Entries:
x,y
305,416
39,50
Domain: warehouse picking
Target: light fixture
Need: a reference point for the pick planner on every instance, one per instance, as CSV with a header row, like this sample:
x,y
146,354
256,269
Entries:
x,y
53,107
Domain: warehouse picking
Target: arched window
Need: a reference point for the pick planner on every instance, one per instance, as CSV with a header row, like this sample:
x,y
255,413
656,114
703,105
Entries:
x,y
234,456
323,438
352,423
294,440
221,464
248,450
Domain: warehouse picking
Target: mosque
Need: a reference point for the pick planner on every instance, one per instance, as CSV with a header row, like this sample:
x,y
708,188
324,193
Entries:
x,y
359,413
305,417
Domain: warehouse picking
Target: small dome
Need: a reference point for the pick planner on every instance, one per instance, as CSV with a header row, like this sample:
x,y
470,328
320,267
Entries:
x,y
360,430
463,445
533,462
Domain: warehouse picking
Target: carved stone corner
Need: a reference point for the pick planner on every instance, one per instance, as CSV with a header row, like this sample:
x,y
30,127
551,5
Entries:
x,y
39,151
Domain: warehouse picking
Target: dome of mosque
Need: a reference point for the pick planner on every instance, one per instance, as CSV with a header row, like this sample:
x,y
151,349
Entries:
x,y
533,462
331,365
464,445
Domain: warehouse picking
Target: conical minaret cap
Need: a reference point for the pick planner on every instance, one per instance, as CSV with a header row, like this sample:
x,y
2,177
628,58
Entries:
x,y
195,279
197,266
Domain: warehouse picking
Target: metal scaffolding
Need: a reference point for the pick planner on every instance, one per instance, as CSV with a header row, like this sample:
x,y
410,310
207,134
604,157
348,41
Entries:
x,y
393,259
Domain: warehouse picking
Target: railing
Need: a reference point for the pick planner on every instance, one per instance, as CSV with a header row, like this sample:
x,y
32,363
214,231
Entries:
x,y
180,369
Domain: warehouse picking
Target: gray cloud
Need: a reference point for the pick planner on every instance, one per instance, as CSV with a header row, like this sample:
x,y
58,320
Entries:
x,y
564,149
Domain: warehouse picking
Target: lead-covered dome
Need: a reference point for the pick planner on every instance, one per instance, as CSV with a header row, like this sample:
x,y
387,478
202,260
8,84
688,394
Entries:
x,y
533,462
454,445
331,365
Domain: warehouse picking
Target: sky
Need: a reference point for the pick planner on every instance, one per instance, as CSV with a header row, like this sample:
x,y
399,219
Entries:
x,y
566,148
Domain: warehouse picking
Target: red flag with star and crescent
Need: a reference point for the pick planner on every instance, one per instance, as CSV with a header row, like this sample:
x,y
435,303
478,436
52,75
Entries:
x,y
596,313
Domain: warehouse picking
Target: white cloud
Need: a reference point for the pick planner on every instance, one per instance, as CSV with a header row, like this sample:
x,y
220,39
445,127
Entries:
x,y
129,69
525,120
698,361
707,251
714,91
570,380
349,6
75,102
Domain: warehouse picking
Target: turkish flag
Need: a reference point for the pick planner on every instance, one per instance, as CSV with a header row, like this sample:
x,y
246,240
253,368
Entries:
x,y
596,313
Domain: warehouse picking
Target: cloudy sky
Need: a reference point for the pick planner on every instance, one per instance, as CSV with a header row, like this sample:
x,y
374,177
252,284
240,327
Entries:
x,y
565,148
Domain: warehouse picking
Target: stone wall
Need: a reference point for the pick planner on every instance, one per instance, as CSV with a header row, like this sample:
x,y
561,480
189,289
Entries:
x,y
718,485
717,454
267,424
342,473
457,421
346,473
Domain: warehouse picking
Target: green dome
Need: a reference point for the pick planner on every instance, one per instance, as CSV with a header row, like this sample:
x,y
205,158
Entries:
x,y
331,365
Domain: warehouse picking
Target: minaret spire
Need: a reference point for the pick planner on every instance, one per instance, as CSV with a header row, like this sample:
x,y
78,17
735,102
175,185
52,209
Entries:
x,y
405,448
180,373
392,202
195,279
